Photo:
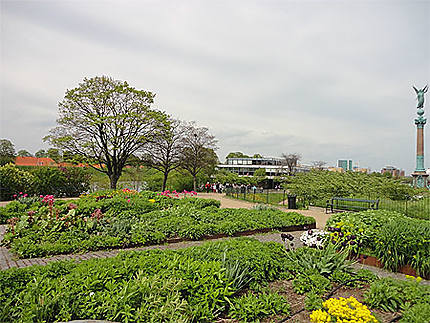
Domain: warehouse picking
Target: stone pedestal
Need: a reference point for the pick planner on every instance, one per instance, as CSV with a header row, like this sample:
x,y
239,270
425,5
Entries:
x,y
421,179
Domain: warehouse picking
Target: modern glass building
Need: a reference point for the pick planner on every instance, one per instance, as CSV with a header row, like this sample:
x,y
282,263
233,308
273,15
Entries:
x,y
247,166
346,164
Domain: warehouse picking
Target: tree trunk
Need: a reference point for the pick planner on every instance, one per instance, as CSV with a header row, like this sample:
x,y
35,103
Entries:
x,y
164,181
113,180
194,183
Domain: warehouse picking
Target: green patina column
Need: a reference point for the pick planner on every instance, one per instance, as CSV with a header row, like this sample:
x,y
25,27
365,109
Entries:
x,y
420,176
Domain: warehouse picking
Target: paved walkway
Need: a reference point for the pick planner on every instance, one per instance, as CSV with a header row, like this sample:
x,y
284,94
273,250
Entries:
x,y
8,260
228,202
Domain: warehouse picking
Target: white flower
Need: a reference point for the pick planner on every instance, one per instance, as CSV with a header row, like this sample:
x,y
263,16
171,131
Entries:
x,y
314,238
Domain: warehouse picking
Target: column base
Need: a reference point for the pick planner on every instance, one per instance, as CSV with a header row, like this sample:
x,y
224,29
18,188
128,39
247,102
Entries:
x,y
421,179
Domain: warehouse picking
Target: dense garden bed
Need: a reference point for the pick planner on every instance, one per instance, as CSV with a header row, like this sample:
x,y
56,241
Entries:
x,y
241,279
119,219
394,239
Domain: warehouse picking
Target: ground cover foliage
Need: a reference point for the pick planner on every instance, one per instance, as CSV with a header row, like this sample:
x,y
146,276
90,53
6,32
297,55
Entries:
x,y
227,279
319,186
125,218
395,239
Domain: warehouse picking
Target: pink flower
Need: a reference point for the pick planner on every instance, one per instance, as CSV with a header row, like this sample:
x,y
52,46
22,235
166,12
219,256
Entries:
x,y
41,196
20,192
25,195
128,200
14,195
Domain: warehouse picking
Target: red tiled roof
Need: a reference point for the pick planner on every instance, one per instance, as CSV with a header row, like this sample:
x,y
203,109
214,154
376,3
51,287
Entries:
x,y
34,161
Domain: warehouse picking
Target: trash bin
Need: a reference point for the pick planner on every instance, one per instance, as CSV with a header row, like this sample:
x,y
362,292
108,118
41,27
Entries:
x,y
292,202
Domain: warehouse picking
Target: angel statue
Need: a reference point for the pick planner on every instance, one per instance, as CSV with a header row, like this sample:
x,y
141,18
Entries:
x,y
420,96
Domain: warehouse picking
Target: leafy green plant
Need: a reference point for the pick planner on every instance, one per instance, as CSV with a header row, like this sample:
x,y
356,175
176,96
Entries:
x,y
416,314
391,295
125,218
321,261
313,301
314,282
250,307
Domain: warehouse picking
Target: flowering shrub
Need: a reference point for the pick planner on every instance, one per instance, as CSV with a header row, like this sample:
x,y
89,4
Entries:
x,y
14,180
343,310
175,194
314,238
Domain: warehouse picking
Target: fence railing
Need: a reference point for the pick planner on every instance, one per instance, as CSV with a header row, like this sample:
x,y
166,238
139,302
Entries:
x,y
277,197
416,207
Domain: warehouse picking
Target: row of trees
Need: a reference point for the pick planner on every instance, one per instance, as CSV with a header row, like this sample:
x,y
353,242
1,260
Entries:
x,y
106,123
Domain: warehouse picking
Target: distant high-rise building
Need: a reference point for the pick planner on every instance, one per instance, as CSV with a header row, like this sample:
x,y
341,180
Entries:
x,y
346,164
395,172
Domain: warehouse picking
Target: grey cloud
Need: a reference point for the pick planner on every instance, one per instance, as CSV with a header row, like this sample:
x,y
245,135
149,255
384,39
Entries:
x,y
326,79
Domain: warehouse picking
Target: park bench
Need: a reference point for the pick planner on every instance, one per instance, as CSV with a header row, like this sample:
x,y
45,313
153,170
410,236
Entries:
x,y
350,204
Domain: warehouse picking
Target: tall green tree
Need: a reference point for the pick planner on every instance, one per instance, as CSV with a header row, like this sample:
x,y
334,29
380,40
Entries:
x,y
24,153
54,154
198,153
41,153
7,152
260,175
106,121
164,152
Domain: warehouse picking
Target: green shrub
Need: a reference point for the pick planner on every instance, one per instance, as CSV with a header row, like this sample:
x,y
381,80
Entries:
x,y
392,295
155,286
250,308
124,219
13,180
416,314
313,301
314,282
404,241
394,238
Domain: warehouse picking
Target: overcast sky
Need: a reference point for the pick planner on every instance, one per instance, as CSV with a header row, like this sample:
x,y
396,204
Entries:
x,y
326,79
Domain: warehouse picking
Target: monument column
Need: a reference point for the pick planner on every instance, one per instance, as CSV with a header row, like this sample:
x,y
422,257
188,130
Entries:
x,y
420,176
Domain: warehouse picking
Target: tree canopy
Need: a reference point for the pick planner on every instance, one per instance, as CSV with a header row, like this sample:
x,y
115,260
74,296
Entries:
x,y
7,152
198,151
163,153
41,153
106,121
24,153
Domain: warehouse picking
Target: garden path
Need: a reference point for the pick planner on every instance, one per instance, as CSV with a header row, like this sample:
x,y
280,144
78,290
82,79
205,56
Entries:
x,y
227,202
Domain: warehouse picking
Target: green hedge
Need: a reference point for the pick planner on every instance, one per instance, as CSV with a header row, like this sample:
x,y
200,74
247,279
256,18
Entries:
x,y
58,181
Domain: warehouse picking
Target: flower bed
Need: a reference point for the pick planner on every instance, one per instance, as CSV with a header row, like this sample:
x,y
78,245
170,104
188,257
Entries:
x,y
395,240
125,219
214,281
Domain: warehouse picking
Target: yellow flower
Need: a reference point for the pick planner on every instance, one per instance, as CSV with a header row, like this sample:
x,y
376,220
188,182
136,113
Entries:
x,y
151,200
419,279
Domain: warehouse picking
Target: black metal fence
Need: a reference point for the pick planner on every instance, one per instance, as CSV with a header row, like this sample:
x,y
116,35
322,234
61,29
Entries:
x,y
417,206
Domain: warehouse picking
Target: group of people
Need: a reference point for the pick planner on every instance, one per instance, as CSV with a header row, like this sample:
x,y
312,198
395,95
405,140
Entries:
x,y
221,188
